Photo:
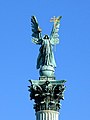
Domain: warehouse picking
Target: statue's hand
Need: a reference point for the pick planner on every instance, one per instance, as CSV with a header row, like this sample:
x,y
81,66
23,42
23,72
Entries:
x,y
36,40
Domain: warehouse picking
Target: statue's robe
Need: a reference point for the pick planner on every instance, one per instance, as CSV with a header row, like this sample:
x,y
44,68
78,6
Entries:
x,y
46,56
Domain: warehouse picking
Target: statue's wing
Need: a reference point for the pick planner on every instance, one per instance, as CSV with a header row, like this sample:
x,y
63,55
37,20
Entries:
x,y
54,37
36,31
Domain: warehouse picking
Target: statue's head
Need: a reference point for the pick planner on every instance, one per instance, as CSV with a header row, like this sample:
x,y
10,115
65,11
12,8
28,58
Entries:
x,y
46,37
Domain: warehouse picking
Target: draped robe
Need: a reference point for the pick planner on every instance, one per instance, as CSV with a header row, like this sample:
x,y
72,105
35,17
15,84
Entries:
x,y
46,56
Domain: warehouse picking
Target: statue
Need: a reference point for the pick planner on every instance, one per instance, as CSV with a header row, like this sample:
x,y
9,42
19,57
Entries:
x,y
46,61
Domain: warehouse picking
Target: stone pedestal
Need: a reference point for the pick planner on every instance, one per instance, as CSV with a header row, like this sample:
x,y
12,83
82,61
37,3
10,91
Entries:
x,y
47,93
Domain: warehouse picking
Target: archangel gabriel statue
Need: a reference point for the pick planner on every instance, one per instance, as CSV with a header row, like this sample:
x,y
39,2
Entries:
x,y
46,61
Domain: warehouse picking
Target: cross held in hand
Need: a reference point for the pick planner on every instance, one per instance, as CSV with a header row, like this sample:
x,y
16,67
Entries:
x,y
55,20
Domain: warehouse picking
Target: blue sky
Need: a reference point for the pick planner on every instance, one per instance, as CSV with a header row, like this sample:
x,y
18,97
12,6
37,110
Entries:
x,y
18,55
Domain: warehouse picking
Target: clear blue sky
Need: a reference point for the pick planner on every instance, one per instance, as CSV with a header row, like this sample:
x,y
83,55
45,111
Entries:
x,y
18,55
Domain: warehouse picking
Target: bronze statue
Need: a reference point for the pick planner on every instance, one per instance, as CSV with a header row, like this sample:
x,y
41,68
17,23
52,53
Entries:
x,y
46,61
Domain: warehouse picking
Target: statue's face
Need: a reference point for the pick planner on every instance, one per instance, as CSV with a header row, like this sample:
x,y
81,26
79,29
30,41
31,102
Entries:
x,y
46,37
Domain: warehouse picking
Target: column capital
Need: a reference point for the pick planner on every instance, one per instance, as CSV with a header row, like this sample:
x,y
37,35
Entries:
x,y
47,93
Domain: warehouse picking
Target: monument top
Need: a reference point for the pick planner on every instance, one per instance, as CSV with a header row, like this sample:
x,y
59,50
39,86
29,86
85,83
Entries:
x,y
47,92
45,61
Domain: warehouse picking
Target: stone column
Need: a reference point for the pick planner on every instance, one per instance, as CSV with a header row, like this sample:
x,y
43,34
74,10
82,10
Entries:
x,y
47,115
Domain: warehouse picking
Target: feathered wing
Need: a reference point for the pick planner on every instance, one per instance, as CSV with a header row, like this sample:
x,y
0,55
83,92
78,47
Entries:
x,y
54,36
36,31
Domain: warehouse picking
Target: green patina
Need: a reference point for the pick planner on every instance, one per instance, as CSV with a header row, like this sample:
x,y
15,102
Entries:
x,y
47,91
46,61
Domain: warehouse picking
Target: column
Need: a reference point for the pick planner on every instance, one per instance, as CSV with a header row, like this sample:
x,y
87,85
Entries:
x,y
47,115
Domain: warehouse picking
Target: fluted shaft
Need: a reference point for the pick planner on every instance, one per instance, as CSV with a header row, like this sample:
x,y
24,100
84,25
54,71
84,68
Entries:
x,y
47,115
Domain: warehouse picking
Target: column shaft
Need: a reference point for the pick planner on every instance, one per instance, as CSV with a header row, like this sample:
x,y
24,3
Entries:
x,y
47,115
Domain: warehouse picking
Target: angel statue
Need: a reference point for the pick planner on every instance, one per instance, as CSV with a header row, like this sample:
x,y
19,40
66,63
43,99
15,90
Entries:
x,y
46,61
